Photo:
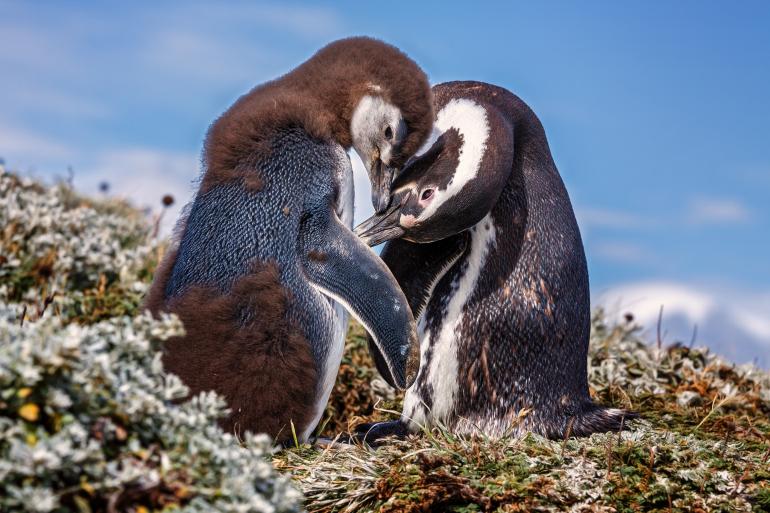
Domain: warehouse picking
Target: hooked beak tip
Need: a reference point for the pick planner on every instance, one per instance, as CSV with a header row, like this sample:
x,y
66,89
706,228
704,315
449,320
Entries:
x,y
378,229
380,201
381,176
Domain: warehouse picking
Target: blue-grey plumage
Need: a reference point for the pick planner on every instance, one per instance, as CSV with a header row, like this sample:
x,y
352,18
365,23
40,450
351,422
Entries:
x,y
492,262
319,261
265,265
229,227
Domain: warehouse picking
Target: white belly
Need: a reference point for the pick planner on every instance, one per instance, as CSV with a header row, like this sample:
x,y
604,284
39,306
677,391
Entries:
x,y
441,371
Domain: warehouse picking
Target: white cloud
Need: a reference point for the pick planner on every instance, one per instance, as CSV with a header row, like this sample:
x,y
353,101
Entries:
x,y
717,211
20,144
732,321
590,217
144,176
621,252
644,299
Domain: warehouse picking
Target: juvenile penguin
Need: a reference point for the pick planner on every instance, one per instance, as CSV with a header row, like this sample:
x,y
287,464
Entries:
x,y
265,264
491,260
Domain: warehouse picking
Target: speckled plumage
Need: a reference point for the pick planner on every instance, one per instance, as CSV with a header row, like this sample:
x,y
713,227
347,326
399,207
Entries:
x,y
258,278
504,332
264,265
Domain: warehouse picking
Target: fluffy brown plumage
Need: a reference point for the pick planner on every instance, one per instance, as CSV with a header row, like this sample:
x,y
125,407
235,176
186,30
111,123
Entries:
x,y
264,361
239,340
319,96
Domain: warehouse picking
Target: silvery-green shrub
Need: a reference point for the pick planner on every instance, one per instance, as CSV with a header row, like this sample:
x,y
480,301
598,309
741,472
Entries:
x,y
89,419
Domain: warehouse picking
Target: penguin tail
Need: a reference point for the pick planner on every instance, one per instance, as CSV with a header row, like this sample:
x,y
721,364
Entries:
x,y
599,419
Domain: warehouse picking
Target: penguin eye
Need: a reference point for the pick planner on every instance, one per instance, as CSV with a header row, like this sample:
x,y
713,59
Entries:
x,y
426,194
388,133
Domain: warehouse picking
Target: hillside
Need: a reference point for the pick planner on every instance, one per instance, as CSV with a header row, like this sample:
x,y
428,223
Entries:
x,y
89,421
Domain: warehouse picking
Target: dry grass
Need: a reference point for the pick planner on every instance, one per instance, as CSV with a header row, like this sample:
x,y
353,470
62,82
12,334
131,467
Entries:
x,y
702,444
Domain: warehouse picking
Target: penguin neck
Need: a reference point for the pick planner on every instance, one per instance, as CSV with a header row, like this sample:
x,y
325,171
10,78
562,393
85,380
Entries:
x,y
529,141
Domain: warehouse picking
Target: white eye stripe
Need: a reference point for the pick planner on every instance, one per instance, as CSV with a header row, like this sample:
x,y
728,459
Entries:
x,y
470,120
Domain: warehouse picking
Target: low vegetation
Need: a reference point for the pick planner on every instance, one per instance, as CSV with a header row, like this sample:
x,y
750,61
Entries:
x,y
89,422
702,445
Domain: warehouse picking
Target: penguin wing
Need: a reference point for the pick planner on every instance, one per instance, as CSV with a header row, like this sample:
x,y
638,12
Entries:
x,y
345,269
417,269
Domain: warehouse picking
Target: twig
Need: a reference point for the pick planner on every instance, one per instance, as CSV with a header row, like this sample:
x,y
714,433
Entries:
x,y
70,177
660,322
23,315
567,433
694,335
156,227
652,459
46,303
622,425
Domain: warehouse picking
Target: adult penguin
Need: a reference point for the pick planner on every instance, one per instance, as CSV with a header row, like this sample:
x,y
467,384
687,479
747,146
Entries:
x,y
264,263
490,257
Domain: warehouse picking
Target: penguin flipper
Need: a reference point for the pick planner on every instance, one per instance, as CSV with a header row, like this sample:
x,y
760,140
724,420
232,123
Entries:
x,y
416,267
345,269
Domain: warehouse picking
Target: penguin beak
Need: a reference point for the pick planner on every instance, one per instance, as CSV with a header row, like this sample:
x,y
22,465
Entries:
x,y
381,227
381,176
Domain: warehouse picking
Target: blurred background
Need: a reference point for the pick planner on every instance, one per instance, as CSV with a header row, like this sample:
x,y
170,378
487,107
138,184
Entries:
x,y
658,116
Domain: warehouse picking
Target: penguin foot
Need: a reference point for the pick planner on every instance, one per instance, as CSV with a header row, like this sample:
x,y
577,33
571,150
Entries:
x,y
339,442
600,419
375,433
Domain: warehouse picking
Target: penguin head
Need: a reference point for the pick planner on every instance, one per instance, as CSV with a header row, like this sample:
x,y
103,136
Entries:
x,y
378,131
454,183
382,101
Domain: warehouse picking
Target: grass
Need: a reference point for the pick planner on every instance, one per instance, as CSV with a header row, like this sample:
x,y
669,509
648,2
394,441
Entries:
x,y
703,443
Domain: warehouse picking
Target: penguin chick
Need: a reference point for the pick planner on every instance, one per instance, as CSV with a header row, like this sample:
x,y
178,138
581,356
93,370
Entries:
x,y
265,265
491,260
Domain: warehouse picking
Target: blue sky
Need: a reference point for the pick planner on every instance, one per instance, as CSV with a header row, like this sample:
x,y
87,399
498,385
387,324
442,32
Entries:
x,y
658,116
